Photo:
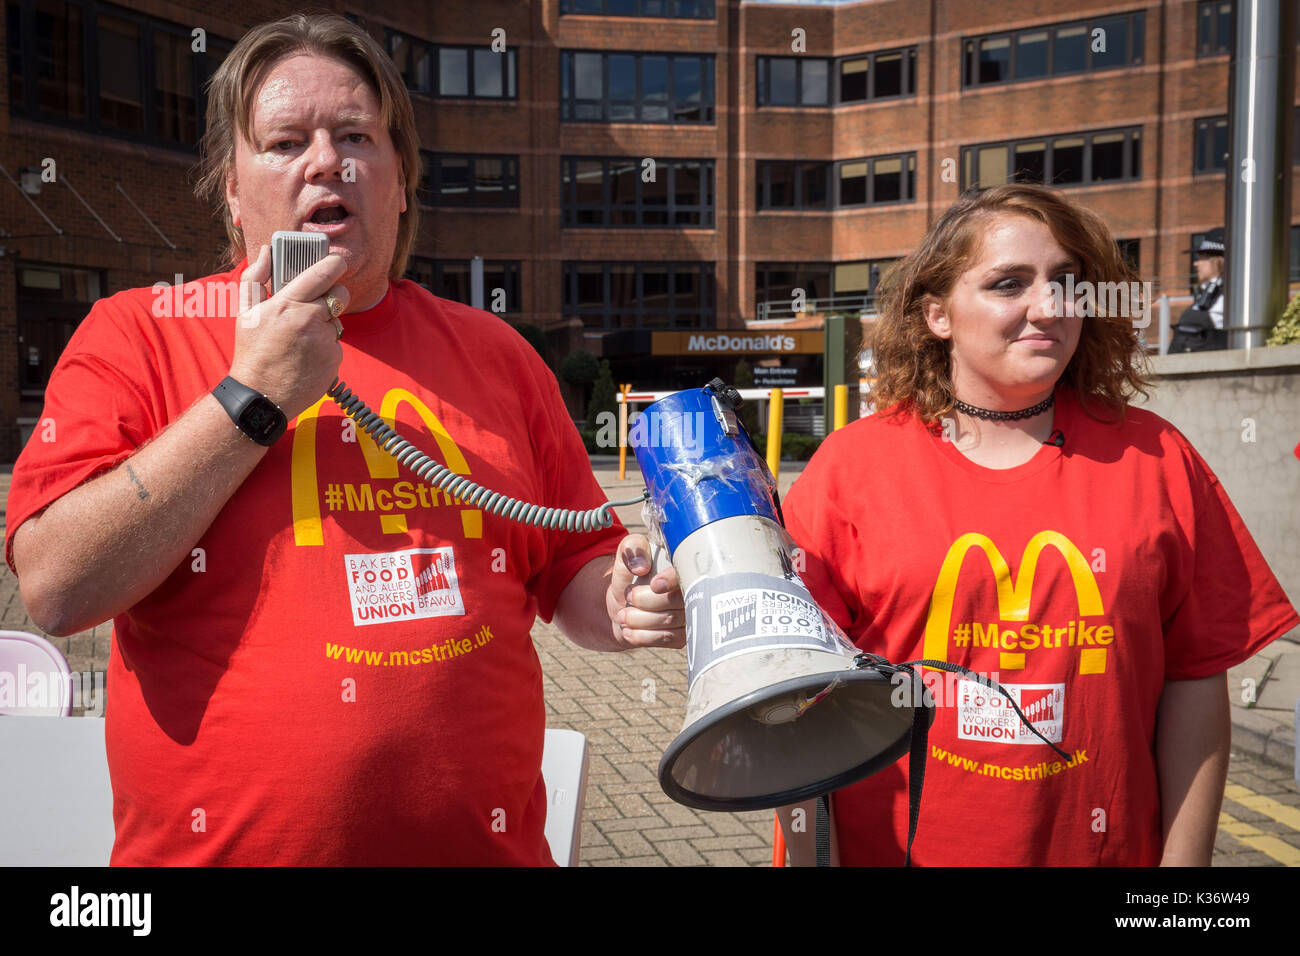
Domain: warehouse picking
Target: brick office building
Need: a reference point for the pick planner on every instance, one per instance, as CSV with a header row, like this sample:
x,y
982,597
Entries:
x,y
625,167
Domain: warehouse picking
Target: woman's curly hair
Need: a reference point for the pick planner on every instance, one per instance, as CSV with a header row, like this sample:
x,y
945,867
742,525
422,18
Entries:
x,y
913,372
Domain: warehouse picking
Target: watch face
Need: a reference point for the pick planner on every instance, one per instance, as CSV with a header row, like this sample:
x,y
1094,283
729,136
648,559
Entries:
x,y
260,419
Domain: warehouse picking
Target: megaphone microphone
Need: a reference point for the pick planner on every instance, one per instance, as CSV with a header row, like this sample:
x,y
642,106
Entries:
x,y
778,708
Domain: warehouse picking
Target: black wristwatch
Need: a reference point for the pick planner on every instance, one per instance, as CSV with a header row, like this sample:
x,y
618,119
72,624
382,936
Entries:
x,y
252,412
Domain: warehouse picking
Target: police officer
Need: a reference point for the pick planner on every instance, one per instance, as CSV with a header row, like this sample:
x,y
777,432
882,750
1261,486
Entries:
x,y
1200,328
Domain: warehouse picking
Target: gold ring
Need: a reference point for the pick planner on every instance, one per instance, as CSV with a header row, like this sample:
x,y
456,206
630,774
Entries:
x,y
338,328
335,306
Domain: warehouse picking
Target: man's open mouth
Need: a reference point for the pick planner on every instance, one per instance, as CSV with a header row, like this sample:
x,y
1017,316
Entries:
x,y
328,214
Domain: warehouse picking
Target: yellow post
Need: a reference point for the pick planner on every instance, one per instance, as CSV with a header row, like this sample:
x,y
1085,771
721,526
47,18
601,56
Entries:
x,y
775,413
841,406
625,391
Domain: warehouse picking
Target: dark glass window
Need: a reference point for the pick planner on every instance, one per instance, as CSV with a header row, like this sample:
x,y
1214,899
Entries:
x,y
853,183
887,182
1213,27
59,57
453,73
853,79
675,9
783,85
453,279
469,180
1070,50
176,117
817,81
1067,160
816,91
620,192
788,184
1110,47
995,60
1073,160
635,87
1107,157
640,295
1030,162
813,185
109,70
121,86
470,72
1210,148
1031,54
1102,44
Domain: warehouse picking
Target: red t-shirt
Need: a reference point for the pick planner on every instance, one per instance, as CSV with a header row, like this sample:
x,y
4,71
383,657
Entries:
x,y
342,673
1081,580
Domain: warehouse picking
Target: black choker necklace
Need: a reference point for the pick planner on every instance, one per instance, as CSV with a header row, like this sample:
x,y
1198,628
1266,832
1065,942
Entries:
x,y
992,416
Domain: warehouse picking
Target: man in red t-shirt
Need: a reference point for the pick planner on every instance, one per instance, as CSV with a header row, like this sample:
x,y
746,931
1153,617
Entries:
x,y
317,658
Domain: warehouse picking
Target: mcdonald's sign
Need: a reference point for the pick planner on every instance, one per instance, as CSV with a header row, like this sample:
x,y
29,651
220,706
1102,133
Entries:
x,y
1013,598
305,486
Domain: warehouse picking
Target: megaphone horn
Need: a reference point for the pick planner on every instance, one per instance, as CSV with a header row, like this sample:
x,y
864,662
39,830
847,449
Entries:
x,y
777,710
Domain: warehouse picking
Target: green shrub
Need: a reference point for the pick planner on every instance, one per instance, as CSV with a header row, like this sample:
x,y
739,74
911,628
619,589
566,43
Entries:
x,y
580,368
794,447
602,396
1287,329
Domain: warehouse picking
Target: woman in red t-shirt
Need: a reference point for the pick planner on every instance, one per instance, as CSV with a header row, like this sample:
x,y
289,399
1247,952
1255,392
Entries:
x,y
1009,511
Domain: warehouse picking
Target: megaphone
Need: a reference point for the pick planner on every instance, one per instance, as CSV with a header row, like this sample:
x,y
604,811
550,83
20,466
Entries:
x,y
778,707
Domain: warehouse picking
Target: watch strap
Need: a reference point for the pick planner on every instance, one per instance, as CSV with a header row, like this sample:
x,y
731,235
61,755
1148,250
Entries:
x,y
255,415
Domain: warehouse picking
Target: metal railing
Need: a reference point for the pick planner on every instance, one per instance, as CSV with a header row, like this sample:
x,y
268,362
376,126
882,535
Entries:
x,y
782,310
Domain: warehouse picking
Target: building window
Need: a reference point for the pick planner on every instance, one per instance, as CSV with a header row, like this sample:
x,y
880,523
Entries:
x,y
791,184
469,180
462,72
1102,43
640,295
1213,27
781,286
108,70
668,9
1073,159
793,81
451,279
598,87
876,76
820,81
598,191
1210,150
796,184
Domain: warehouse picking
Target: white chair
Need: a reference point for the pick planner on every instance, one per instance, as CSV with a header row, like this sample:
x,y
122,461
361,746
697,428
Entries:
x,y
56,804
34,677
564,768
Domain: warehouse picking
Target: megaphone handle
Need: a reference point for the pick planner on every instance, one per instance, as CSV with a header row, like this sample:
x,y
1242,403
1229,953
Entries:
x,y
659,558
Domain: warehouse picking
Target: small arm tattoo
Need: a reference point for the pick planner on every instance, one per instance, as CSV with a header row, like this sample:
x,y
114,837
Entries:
x,y
142,492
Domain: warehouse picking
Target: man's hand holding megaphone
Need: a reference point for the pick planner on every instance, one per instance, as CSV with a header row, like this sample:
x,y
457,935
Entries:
x,y
645,606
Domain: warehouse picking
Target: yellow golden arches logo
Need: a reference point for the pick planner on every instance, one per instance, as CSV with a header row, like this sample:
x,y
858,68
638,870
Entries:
x,y
305,488
1013,595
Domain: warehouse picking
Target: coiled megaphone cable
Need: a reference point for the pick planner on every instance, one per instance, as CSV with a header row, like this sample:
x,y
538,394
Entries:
x,y
458,486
